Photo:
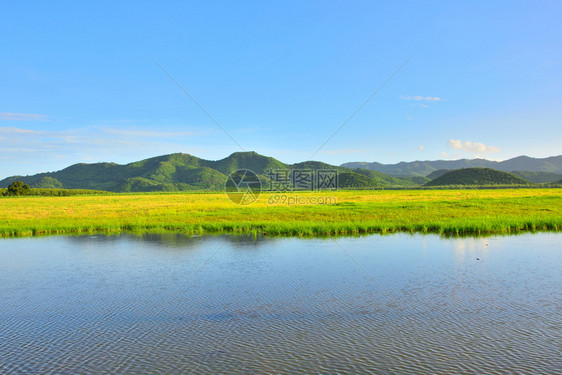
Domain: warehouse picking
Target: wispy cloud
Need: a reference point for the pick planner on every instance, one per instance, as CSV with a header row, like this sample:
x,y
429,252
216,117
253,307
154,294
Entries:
x,y
10,116
46,150
474,147
92,141
9,130
420,98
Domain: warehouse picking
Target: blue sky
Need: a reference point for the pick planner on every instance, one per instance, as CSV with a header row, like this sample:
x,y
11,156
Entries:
x,y
78,85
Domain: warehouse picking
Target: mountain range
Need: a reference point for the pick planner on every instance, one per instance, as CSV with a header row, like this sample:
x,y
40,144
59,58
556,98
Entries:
x,y
182,172
551,164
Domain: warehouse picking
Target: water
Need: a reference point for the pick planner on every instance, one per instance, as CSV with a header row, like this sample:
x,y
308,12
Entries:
x,y
173,304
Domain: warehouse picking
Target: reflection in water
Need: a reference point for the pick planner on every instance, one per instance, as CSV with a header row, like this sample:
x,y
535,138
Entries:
x,y
174,240
467,249
380,304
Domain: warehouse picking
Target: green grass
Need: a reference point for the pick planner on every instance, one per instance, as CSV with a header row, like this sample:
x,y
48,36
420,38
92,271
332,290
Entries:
x,y
446,212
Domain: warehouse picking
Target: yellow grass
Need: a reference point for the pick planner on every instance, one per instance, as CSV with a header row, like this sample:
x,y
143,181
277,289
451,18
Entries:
x,y
441,211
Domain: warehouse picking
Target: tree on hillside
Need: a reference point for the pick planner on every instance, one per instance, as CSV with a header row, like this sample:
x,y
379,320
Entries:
x,y
17,188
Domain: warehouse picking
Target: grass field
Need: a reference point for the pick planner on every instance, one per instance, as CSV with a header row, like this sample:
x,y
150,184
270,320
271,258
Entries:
x,y
447,212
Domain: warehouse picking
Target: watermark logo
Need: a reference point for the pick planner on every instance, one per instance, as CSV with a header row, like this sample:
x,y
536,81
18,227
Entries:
x,y
299,200
302,179
243,187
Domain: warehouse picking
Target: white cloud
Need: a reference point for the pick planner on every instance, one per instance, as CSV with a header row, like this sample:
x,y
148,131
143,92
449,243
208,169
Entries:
x,y
444,154
9,116
475,147
423,98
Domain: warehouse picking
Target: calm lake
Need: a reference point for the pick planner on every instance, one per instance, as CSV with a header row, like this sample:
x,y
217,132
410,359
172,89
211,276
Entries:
x,y
172,304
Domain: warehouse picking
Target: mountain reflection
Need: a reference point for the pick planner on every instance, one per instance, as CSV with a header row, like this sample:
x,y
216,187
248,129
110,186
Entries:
x,y
174,240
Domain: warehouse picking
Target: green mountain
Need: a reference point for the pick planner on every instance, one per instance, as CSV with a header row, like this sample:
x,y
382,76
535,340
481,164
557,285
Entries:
x,y
477,177
551,164
538,177
163,173
316,165
351,180
182,172
253,161
386,180
438,173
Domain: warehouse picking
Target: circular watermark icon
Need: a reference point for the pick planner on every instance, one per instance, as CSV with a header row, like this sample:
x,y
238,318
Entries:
x,y
243,186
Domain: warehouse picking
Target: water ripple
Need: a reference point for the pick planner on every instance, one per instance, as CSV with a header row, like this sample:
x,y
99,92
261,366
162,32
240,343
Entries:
x,y
127,306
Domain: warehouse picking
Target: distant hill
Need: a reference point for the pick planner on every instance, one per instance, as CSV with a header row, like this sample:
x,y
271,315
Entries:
x,y
438,173
416,180
423,168
477,177
162,173
183,172
539,177
556,184
384,179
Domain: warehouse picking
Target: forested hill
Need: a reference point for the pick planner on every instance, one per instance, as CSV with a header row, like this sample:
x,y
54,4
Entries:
x,y
182,172
477,177
551,164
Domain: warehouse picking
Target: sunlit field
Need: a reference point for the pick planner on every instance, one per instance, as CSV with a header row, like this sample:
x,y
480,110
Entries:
x,y
447,212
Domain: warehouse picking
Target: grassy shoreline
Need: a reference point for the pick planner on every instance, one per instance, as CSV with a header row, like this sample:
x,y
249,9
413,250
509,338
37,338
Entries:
x,y
445,212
